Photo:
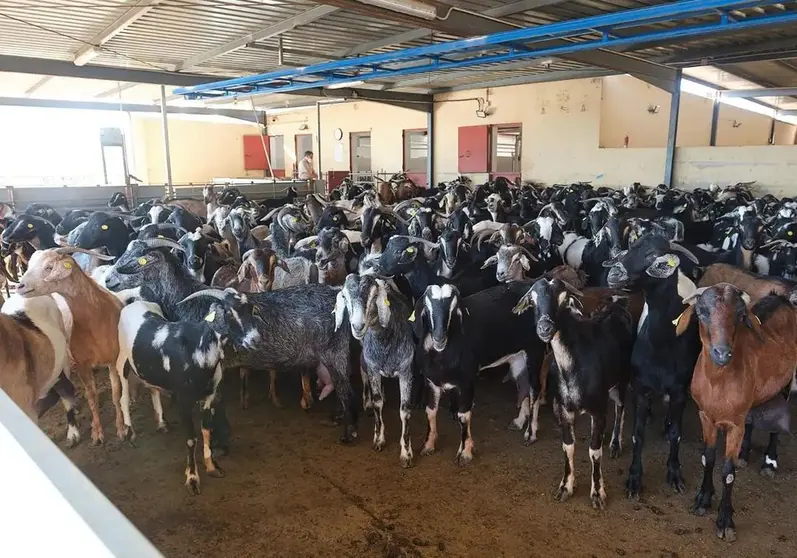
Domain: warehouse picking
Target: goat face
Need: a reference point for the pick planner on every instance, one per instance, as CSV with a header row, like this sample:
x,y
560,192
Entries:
x,y
370,221
208,194
449,242
46,269
331,250
195,247
332,216
26,228
239,223
511,263
434,313
144,265
651,256
259,268
235,318
401,252
719,310
119,200
365,299
548,297
102,229
71,220
44,211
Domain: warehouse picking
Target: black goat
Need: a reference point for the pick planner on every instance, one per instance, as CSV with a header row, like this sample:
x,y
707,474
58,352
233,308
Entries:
x,y
272,203
661,362
592,366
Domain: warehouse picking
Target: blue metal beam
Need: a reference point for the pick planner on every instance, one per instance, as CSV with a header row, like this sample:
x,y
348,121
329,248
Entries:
x,y
499,47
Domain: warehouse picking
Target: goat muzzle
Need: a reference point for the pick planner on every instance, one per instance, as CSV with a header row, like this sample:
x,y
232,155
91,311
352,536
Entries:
x,y
618,276
545,329
721,354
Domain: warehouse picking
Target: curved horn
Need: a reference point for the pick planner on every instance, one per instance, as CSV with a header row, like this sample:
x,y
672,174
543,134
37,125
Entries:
x,y
775,242
427,243
306,241
67,250
270,214
162,243
218,294
530,255
684,251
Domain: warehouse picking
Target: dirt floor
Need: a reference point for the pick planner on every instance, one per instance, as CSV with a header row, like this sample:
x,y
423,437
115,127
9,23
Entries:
x,y
292,490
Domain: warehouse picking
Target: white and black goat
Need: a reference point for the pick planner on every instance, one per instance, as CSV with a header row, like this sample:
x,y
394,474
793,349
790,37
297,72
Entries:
x,y
379,319
184,358
592,366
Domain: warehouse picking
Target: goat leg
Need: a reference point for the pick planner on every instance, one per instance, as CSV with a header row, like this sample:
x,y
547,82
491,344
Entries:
x,y
464,415
123,429
206,424
675,415
744,452
706,492
597,491
157,406
86,375
726,530
617,394
770,465
123,388
375,381
431,418
187,420
633,484
272,388
568,483
244,372
405,394
307,392
66,391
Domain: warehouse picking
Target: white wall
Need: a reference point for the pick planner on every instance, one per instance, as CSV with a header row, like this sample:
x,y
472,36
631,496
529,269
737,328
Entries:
x,y
565,123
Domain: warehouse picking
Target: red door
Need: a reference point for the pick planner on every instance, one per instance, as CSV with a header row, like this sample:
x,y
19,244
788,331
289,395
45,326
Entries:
x,y
254,156
474,149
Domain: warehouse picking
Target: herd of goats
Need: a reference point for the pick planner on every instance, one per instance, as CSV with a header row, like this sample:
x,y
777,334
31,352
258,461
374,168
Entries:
x,y
588,291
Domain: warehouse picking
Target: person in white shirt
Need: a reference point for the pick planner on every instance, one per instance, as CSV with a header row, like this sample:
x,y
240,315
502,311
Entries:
x,y
306,170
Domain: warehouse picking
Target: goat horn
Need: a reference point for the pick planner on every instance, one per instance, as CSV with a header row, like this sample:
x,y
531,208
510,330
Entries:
x,y
422,240
67,250
218,294
684,251
529,254
162,243
775,242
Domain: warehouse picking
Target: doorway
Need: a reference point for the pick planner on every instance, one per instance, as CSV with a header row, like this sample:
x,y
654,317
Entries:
x,y
361,152
304,143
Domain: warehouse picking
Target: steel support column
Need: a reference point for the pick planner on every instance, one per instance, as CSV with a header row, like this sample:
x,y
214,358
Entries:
x,y
318,140
430,147
715,117
675,107
166,151
772,132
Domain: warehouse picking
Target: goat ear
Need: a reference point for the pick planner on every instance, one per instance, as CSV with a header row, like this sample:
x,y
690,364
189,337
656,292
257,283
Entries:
x,y
340,309
492,260
524,261
663,266
753,322
244,272
524,303
284,265
61,270
681,323
382,305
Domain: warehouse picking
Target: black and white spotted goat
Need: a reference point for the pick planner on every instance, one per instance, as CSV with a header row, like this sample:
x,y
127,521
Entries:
x,y
592,363
379,318
184,358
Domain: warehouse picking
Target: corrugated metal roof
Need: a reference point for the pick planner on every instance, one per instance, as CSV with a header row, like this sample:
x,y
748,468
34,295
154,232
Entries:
x,y
174,31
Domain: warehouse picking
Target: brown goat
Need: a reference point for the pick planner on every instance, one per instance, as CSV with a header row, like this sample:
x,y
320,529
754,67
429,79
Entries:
x,y
95,315
748,358
756,286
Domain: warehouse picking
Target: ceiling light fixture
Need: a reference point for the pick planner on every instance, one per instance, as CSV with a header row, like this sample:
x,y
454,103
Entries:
x,y
409,7
85,57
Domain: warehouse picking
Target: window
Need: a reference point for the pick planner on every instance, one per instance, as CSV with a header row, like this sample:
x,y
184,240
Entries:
x,y
416,145
506,148
277,152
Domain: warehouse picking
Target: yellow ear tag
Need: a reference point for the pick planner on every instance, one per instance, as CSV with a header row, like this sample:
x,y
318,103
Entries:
x,y
293,219
160,236
410,250
412,317
142,261
68,265
678,319
387,302
790,233
30,225
412,212
104,227
210,317
671,262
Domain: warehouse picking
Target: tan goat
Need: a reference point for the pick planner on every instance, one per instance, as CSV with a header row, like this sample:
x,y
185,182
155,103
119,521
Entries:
x,y
95,315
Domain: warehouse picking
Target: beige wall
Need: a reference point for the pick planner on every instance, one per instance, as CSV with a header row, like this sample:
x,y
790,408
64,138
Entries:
x,y
386,124
563,129
201,149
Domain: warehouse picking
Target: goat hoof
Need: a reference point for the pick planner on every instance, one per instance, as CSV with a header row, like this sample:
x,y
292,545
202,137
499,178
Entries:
x,y
163,428
97,441
463,459
741,463
727,534
276,402
633,487
379,445
406,462
675,480
192,485
531,440
562,495
699,510
767,471
598,501
513,425
216,473
615,450
426,451
306,403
